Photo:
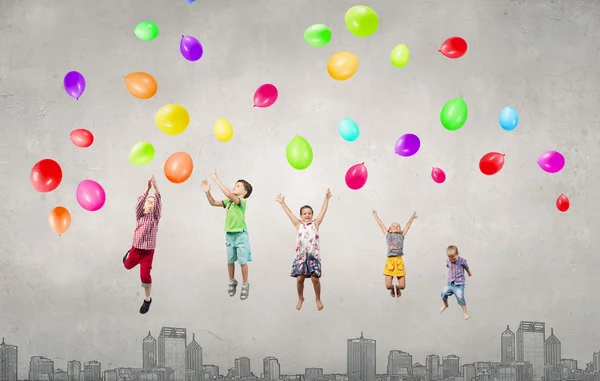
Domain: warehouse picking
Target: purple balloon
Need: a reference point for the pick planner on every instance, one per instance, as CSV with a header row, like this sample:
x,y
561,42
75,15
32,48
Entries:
x,y
551,162
407,145
74,84
190,48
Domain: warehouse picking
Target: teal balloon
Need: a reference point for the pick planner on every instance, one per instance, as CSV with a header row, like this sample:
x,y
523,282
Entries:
x,y
317,35
349,130
299,153
454,114
509,119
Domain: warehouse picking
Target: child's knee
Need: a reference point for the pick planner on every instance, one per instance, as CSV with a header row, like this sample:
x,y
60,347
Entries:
x,y
315,280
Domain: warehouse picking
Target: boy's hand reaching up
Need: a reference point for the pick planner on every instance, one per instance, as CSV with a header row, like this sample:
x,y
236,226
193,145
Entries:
x,y
214,175
205,186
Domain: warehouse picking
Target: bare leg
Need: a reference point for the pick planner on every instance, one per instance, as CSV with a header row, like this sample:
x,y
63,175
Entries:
x,y
148,291
244,273
445,306
300,288
401,286
231,270
390,286
464,308
317,286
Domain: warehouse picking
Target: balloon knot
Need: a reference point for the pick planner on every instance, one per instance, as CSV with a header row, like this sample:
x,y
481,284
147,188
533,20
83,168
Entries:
x,y
253,105
503,154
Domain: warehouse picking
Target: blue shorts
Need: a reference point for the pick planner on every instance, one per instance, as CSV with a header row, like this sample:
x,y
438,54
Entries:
x,y
458,290
238,248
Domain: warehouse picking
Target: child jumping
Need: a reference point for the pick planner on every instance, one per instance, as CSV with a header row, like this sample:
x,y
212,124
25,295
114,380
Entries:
x,y
394,265
236,235
308,259
456,279
147,212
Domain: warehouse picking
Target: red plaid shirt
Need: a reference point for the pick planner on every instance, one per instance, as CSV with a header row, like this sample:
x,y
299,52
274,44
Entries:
x,y
144,236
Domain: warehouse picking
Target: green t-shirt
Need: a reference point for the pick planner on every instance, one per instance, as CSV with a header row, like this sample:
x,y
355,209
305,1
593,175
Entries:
x,y
235,216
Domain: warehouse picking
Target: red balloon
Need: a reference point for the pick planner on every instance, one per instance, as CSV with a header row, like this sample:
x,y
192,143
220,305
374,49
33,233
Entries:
x,y
82,138
46,175
454,47
491,163
563,203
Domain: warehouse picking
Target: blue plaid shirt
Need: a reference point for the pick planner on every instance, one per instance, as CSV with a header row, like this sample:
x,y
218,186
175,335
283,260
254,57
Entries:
x,y
456,271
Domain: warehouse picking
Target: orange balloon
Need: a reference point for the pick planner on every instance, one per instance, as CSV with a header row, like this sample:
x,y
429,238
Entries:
x,y
141,85
179,167
342,66
59,220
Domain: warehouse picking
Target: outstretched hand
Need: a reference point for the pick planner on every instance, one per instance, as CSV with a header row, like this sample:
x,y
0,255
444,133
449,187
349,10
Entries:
x,y
280,198
214,175
328,194
414,215
150,182
374,213
205,186
153,181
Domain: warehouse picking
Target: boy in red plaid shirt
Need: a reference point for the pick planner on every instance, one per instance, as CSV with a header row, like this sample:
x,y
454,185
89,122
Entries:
x,y
147,212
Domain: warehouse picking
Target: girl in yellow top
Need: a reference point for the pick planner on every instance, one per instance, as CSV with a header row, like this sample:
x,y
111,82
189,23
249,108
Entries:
x,y
394,266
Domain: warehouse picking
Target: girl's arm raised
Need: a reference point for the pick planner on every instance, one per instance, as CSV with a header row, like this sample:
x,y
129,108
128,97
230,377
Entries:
x,y
410,220
381,225
281,199
323,211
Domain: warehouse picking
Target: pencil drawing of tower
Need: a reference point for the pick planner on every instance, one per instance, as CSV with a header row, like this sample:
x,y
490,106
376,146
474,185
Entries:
x,y
271,369
193,360
552,349
74,370
149,352
9,362
40,369
530,346
171,351
507,346
92,371
361,363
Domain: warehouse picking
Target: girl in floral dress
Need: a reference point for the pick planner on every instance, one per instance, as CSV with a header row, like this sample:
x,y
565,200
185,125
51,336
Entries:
x,y
307,263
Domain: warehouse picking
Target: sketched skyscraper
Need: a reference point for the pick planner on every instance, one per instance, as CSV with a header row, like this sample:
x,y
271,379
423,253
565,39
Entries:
x,y
432,364
242,367
507,346
399,363
361,361
552,349
149,352
530,346
40,369
271,369
193,359
74,370
9,362
92,371
171,350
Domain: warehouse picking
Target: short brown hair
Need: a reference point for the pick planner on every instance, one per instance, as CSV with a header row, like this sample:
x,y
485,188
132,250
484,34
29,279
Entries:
x,y
452,250
306,207
247,187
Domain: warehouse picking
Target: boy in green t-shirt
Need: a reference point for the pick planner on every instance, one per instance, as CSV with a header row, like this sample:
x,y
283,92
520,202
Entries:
x,y
236,236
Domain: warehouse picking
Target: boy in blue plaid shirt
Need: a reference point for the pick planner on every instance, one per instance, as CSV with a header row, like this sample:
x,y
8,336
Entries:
x,y
455,284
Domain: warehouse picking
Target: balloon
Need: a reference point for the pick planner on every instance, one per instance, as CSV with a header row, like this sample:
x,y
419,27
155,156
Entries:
x,y
509,119
407,145
552,162
317,35
361,21
400,56
141,85
146,31
563,203
46,175
299,153
438,175
59,220
74,84
141,153
454,114
454,47
172,119
179,167
223,130
82,138
265,95
90,195
491,163
342,66
349,130
191,49
356,176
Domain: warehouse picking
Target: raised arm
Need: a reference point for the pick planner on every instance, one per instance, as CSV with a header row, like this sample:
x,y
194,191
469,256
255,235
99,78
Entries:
x,y
209,197
410,221
323,211
226,191
295,221
158,200
381,225
139,206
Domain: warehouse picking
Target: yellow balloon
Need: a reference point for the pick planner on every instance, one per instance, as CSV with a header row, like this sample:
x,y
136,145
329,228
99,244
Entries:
x,y
223,130
342,66
172,119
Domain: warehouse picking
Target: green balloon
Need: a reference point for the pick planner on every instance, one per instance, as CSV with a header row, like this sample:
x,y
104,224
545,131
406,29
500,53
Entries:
x,y
141,154
454,114
317,35
299,153
361,21
146,31
400,56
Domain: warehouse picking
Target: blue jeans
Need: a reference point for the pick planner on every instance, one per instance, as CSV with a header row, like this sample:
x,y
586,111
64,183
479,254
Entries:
x,y
238,248
458,290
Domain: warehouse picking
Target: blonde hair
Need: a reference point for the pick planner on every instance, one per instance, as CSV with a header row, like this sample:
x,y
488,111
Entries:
x,y
451,250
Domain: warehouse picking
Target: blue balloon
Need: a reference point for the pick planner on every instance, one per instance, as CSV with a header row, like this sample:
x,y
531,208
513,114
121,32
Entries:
x,y
349,130
509,119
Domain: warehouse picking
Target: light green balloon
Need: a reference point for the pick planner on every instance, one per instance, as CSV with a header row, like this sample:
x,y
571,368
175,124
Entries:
x,y
141,154
400,55
317,35
454,114
299,153
146,31
361,21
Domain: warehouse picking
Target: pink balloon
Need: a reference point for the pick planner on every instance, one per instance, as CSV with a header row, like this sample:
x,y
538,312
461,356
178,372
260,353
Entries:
x,y
438,175
90,195
356,176
265,95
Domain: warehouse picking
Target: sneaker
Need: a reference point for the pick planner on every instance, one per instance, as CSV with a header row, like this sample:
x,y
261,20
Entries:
x,y
232,287
145,306
125,256
245,291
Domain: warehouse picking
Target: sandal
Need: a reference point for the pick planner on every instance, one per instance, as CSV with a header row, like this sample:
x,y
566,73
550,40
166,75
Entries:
x,y
232,287
245,291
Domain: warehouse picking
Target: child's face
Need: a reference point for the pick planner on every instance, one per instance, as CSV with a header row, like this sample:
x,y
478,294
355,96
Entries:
x,y
239,189
395,228
306,214
453,257
149,205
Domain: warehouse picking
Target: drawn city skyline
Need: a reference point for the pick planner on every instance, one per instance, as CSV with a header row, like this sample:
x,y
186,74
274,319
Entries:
x,y
527,355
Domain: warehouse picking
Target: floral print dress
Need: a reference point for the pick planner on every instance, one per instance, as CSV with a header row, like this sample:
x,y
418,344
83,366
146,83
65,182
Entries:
x,y
308,259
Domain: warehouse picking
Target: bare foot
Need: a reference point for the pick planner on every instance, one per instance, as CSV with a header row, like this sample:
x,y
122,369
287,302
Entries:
x,y
393,292
319,305
443,309
299,304
398,292
467,317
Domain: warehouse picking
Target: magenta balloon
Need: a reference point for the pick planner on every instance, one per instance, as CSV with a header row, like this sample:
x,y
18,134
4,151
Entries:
x,y
551,162
407,145
356,176
74,84
265,95
191,49
90,195
438,175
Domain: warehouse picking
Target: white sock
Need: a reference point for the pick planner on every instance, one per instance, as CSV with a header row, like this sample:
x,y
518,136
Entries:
x,y
245,284
147,298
